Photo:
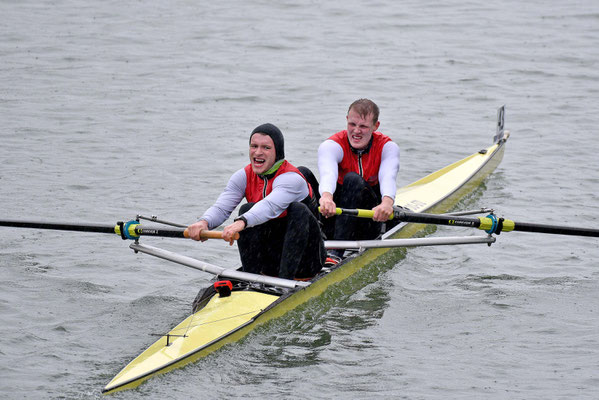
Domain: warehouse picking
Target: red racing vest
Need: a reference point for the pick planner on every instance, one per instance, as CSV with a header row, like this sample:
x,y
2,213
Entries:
x,y
367,164
259,187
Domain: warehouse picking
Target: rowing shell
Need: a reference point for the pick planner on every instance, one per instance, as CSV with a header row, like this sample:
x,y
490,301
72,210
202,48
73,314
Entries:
x,y
218,320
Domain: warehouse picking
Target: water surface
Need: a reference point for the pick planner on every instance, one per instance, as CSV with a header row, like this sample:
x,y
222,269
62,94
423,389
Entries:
x,y
111,109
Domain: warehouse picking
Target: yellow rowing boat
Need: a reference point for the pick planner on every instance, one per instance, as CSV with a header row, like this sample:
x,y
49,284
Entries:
x,y
239,305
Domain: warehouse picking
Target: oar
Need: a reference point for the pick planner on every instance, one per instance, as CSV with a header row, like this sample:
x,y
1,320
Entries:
x,y
127,230
490,224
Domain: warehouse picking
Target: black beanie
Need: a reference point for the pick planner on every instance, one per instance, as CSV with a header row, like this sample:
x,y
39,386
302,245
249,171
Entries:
x,y
276,136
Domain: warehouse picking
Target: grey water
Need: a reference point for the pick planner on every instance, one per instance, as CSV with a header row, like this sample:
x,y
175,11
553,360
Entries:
x,y
112,109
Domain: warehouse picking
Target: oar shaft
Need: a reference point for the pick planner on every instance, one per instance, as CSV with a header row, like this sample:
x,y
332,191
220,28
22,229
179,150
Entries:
x,y
437,219
555,229
500,224
421,218
490,224
133,229
80,227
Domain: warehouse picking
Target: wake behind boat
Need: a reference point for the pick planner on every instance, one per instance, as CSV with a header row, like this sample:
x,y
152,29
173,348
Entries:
x,y
238,302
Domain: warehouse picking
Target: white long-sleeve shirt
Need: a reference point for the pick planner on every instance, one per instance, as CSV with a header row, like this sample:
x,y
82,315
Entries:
x,y
330,154
286,188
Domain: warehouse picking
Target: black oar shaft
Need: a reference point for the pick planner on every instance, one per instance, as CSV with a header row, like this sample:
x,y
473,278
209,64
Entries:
x,y
58,226
555,229
437,219
162,232
486,223
84,227
490,224
127,230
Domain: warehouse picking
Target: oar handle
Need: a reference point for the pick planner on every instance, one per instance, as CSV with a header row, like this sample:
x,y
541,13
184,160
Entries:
x,y
210,235
358,212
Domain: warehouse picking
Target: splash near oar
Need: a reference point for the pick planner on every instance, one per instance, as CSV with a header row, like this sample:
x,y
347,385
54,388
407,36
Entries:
x,y
490,224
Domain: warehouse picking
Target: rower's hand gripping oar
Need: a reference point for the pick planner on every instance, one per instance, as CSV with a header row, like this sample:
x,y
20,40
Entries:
x,y
490,224
127,230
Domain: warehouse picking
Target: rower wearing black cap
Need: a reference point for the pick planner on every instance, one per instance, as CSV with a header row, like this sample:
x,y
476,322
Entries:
x,y
279,234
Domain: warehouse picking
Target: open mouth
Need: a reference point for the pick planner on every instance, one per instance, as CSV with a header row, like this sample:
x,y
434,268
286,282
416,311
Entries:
x,y
259,161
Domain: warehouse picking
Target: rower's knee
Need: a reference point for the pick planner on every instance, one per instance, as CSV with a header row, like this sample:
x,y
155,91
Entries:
x,y
352,191
300,215
297,208
353,180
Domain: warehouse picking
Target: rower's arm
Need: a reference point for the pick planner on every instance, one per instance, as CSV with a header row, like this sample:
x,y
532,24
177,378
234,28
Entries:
x,y
389,169
330,154
286,188
227,201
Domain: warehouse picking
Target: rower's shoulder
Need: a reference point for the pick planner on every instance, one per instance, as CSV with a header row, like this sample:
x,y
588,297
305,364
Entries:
x,y
289,177
330,145
391,145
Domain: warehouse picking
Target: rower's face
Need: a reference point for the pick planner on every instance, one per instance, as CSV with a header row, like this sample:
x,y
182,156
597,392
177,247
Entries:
x,y
262,153
359,129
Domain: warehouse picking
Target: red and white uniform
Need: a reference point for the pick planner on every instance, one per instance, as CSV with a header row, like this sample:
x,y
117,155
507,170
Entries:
x,y
271,195
380,164
257,187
